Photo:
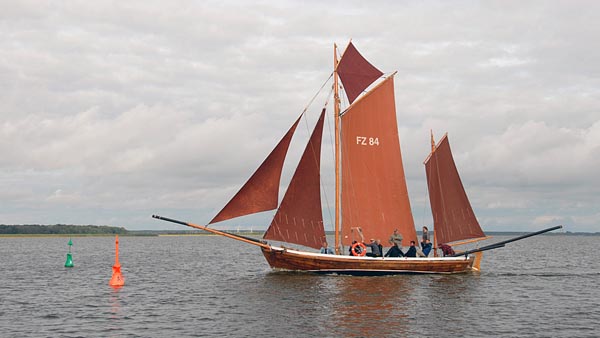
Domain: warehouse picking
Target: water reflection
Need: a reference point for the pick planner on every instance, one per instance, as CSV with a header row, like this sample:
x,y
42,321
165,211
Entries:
x,y
339,305
115,303
365,306
371,305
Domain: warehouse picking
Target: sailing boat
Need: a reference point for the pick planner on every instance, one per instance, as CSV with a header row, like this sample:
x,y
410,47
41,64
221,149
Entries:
x,y
371,196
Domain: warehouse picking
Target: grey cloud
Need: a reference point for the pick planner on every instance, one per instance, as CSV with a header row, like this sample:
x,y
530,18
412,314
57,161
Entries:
x,y
111,111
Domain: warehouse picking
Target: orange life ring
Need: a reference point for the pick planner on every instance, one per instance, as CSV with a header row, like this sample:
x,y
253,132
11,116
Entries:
x,y
362,249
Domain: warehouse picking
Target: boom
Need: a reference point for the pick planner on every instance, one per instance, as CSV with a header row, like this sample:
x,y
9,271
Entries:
x,y
501,244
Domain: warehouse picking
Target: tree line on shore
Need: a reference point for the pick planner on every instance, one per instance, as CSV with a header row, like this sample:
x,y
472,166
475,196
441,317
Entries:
x,y
59,229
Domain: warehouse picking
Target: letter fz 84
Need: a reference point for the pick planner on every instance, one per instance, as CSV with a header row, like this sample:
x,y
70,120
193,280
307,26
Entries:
x,y
367,141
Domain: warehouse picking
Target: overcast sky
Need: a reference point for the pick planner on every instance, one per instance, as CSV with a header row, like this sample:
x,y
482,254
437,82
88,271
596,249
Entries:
x,y
113,111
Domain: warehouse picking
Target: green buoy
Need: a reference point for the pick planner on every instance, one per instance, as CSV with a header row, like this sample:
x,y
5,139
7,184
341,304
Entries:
x,y
69,262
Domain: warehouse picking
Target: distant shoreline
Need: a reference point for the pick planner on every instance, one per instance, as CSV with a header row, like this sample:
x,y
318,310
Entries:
x,y
128,234
65,235
181,233
62,230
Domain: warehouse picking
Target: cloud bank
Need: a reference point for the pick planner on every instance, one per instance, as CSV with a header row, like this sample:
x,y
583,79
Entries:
x,y
113,111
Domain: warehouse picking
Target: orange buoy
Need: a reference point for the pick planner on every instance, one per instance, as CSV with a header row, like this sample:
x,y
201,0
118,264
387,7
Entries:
x,y
117,279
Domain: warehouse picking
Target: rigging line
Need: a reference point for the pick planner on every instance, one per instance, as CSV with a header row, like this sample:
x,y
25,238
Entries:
x,y
333,151
343,102
317,93
423,214
313,99
425,201
324,105
441,193
309,133
312,149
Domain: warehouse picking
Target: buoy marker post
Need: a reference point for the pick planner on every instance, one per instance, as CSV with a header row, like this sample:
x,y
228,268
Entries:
x,y
69,262
117,279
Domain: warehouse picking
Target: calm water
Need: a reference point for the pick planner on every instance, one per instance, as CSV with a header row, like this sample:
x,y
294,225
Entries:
x,y
547,286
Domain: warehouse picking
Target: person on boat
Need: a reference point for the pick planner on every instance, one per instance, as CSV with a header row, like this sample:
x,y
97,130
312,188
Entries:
x,y
325,249
358,248
355,252
446,250
396,238
394,251
427,247
412,251
375,245
425,237
375,249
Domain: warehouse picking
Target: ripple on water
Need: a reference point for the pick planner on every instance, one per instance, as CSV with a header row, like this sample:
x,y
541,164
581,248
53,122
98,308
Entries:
x,y
211,286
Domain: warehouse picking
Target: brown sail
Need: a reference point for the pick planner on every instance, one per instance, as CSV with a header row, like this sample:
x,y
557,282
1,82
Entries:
x,y
299,218
453,217
374,193
356,72
261,191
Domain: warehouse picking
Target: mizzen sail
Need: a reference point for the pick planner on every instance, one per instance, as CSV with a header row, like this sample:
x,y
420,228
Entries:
x,y
261,191
374,193
453,217
299,218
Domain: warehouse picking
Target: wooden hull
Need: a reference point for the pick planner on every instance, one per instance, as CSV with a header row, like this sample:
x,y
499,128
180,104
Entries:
x,y
294,260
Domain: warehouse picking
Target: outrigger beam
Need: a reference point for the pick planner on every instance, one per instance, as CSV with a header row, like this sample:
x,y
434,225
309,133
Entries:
x,y
485,248
245,239
501,244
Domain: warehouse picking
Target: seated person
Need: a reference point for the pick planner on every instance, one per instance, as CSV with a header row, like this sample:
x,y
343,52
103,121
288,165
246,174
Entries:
x,y
412,251
427,247
326,250
375,249
357,249
394,251
374,245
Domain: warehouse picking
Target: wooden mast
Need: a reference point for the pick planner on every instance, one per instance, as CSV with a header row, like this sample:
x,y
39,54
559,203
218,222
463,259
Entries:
x,y
432,226
336,116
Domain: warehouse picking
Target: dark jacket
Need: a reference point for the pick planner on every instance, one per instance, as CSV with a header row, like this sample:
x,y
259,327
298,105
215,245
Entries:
x,y
412,252
394,251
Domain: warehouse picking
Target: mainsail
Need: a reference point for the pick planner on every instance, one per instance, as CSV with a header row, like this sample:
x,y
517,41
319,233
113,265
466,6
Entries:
x,y
261,191
374,193
299,218
453,217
